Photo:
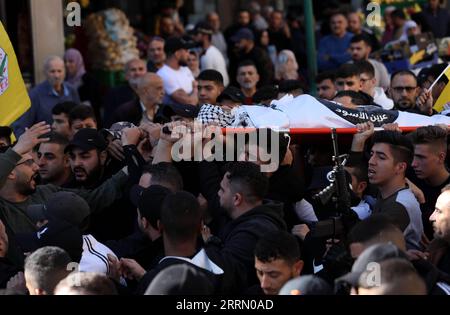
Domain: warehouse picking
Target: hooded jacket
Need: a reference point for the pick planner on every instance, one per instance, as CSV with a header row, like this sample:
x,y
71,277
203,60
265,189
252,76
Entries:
x,y
239,237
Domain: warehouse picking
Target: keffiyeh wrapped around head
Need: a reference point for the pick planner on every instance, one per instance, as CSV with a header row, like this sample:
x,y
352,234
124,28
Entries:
x,y
212,114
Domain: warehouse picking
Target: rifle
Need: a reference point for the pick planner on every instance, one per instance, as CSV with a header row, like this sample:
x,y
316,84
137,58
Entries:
x,y
337,192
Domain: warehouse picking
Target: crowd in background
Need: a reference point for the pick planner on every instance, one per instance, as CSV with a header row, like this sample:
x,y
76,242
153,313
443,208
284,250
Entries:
x,y
92,178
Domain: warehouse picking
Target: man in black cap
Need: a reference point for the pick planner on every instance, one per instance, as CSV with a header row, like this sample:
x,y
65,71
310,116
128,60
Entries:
x,y
87,157
55,232
211,57
230,98
19,189
176,112
247,50
179,84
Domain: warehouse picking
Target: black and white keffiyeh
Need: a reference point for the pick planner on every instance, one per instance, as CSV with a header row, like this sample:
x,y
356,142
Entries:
x,y
212,114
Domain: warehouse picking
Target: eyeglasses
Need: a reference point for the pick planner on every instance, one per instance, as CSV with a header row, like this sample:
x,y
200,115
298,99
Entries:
x,y
409,89
28,162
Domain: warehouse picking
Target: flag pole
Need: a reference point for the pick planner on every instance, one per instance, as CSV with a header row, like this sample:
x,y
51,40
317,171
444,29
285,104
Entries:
x,y
438,78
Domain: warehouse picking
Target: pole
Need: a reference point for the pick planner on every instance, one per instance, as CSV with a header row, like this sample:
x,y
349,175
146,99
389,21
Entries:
x,y
310,45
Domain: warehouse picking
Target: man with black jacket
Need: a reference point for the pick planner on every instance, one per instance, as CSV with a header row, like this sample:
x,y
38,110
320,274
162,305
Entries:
x,y
241,194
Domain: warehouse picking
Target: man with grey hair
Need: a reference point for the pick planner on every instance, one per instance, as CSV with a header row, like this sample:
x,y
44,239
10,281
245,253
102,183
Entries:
x,y
117,96
145,107
44,268
46,95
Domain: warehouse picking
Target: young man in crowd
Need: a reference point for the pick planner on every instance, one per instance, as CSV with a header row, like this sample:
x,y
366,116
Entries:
x,y
277,260
81,116
54,165
210,86
391,154
347,78
431,174
360,49
60,114
325,85
368,85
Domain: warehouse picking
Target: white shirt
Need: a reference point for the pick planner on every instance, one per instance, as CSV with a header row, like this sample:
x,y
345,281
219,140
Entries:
x,y
174,80
381,98
95,256
381,74
213,59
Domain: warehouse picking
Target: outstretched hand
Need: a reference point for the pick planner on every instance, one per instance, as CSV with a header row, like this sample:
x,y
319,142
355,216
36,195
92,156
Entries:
x,y
31,137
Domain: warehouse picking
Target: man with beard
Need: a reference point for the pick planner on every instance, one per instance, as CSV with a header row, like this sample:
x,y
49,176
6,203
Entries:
x,y
18,188
179,83
87,157
404,91
439,248
89,163
46,95
54,166
211,57
248,78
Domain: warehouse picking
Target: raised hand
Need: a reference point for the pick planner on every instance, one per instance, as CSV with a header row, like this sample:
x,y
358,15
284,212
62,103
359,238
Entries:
x,y
364,132
425,103
30,138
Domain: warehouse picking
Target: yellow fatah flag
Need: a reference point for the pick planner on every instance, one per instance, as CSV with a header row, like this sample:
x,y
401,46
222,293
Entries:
x,y
444,97
14,99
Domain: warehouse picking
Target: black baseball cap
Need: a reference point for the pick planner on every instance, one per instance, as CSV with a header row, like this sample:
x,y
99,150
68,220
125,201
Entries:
x,y
63,205
173,44
268,92
87,139
243,33
187,111
55,233
374,254
231,93
203,28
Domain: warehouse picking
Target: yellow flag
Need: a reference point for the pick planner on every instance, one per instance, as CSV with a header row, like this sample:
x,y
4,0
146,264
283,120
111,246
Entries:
x,y
14,99
444,97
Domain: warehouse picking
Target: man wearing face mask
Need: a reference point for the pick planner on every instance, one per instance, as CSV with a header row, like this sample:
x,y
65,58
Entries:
x,y
46,95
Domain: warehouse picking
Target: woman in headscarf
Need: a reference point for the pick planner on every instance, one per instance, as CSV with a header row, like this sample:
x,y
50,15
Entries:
x,y
87,86
74,67
286,67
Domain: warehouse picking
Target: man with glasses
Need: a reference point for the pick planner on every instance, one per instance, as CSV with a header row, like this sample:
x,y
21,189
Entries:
x,y
405,92
369,82
18,187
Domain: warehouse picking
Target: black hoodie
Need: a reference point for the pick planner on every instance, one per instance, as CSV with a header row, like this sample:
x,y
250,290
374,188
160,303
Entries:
x,y
239,237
